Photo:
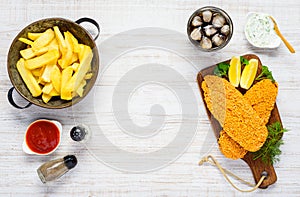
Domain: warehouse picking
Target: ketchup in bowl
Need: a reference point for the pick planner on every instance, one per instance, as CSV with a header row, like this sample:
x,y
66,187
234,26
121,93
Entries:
x,y
42,137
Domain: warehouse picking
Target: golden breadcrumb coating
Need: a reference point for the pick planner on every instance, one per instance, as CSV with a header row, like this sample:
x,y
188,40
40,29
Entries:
x,y
230,148
241,122
215,101
261,102
262,97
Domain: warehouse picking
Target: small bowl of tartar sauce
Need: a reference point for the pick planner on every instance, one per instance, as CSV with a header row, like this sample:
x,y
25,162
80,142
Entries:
x,y
259,31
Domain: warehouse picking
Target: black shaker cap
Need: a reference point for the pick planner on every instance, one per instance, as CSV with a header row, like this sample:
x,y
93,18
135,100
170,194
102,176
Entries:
x,y
77,133
70,161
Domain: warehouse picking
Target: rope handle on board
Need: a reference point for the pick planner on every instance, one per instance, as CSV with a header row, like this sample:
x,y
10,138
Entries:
x,y
210,159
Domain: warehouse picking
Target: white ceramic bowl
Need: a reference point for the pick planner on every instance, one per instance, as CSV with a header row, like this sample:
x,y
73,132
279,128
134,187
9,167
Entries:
x,y
25,146
270,39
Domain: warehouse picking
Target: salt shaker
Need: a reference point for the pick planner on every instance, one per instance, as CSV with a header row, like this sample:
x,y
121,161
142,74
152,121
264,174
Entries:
x,y
54,169
80,133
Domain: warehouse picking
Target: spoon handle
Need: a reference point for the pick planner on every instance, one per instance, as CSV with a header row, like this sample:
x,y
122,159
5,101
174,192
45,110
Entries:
x,y
287,44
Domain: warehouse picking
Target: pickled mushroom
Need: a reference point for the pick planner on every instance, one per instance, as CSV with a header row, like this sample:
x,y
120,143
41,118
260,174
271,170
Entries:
x,y
207,16
196,34
206,43
197,21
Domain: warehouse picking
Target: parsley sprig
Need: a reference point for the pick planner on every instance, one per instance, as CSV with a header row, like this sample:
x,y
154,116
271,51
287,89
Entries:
x,y
265,74
244,61
270,151
221,69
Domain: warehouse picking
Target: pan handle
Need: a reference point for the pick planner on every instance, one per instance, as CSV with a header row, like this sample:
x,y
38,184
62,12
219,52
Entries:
x,y
89,20
12,102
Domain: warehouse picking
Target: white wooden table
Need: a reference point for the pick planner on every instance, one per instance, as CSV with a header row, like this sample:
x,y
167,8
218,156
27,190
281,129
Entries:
x,y
114,177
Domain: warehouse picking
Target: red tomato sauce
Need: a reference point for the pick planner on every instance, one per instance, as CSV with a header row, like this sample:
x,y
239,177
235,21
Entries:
x,y
42,137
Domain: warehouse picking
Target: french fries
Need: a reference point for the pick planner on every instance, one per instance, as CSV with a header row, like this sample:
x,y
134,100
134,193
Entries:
x,y
55,64
29,79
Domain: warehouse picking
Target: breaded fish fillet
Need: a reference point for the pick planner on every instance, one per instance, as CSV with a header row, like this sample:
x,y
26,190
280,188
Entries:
x,y
262,97
215,101
230,148
235,114
262,103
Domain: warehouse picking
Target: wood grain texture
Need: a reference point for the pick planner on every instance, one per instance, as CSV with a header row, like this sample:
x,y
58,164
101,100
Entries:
x,y
182,177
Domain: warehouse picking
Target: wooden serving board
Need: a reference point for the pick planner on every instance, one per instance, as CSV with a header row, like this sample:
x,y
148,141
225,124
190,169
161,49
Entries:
x,y
257,166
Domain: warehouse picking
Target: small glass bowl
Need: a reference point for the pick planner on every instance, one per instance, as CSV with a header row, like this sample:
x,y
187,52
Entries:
x,y
213,9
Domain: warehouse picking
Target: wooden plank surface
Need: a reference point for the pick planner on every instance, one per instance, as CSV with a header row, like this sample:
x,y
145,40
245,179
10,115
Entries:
x,y
181,177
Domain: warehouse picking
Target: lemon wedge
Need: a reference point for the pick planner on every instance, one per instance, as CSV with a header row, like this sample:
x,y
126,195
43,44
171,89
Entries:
x,y
234,72
249,74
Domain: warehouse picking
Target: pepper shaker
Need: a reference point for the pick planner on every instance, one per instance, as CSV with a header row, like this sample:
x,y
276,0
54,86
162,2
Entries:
x,y
54,169
80,133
